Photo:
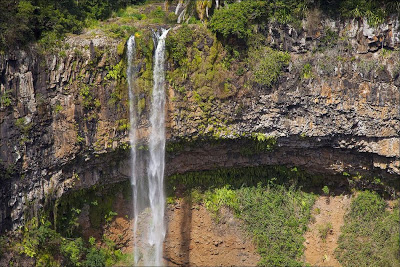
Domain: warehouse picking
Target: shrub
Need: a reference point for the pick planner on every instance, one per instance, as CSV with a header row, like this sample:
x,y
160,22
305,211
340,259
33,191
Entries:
x,y
5,99
95,258
370,236
177,42
323,230
235,21
219,197
267,65
117,72
367,206
325,189
72,250
40,241
306,71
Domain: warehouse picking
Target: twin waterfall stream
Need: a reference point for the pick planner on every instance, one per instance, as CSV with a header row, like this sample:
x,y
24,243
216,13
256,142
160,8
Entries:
x,y
147,175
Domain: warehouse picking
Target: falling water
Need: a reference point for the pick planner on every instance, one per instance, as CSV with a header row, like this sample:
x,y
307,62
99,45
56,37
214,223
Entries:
x,y
148,194
157,151
131,50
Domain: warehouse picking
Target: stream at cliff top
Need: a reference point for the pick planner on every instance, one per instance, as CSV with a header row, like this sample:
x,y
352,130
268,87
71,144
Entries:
x,y
148,194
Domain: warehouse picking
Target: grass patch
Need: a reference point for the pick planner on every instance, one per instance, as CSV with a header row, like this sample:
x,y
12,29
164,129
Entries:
x,y
276,217
324,229
370,236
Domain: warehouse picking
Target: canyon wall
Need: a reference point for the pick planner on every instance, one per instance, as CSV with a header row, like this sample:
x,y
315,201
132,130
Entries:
x,y
64,112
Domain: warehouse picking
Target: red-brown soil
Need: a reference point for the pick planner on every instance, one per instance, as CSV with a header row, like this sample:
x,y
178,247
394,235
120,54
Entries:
x,y
320,252
193,237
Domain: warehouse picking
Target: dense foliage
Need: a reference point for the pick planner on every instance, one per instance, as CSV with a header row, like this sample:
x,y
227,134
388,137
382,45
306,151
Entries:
x,y
375,11
26,20
60,243
177,43
50,248
237,19
378,229
22,21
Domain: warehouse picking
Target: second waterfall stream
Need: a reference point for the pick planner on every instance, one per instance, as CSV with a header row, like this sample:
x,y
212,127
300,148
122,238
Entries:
x,y
147,175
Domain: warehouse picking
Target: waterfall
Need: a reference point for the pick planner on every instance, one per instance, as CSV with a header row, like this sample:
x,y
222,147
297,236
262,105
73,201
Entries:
x,y
181,16
178,7
157,151
131,51
147,171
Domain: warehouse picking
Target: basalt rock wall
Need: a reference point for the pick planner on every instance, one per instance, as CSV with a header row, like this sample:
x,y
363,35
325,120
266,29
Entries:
x,y
64,113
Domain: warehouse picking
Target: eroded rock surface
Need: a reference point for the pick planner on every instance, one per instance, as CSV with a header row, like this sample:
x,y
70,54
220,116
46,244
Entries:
x,y
63,117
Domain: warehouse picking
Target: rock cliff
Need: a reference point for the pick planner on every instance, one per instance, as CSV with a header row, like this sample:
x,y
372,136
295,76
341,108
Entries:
x,y
64,121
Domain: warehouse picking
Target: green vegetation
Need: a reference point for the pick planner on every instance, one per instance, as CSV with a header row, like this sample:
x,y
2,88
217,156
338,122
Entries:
x,y
116,72
5,99
267,65
89,102
48,20
375,11
61,243
144,50
58,108
237,178
236,20
40,241
7,171
324,229
276,217
23,125
100,212
177,42
306,72
267,199
80,139
325,189
25,128
73,251
370,236
328,40
258,143
123,125
202,71
385,187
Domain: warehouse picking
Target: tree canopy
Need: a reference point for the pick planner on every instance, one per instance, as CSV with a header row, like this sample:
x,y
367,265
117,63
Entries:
x,y
22,21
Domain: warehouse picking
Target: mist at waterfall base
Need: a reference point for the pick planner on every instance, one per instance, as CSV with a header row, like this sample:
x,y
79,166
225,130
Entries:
x,y
147,176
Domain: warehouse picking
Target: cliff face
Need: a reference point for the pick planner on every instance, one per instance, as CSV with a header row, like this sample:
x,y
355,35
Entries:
x,y
64,118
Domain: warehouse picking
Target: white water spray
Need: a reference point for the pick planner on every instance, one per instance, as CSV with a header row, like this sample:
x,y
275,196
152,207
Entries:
x,y
157,151
131,52
148,188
